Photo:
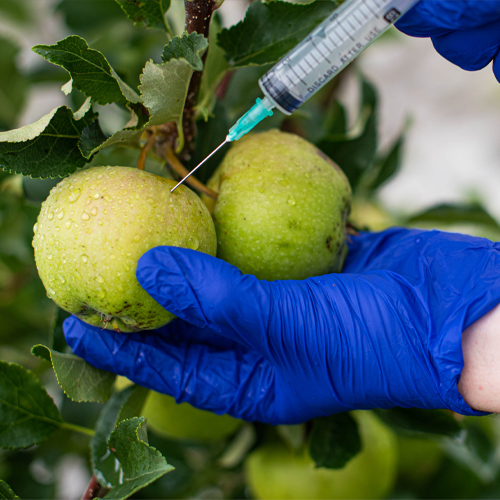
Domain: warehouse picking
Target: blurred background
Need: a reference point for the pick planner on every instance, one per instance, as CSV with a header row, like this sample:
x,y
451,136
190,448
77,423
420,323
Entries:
x,y
451,160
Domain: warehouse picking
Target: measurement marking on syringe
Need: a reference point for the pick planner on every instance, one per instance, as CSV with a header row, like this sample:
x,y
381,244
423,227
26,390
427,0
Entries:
x,y
346,32
364,15
308,63
303,70
321,53
370,9
359,22
293,71
351,25
333,41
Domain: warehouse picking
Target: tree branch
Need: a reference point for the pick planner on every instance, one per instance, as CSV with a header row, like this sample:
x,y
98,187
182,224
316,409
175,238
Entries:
x,y
198,17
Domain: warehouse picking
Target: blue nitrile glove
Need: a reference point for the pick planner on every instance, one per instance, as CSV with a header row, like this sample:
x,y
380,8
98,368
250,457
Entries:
x,y
386,332
466,32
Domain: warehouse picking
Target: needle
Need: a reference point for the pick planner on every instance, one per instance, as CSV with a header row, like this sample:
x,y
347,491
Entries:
x,y
198,166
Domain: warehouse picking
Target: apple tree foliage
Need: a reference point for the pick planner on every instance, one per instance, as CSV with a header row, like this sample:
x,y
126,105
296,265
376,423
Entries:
x,y
133,77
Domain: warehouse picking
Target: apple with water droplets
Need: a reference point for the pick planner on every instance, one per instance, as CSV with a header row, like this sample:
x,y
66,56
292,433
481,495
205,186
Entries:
x,y
282,208
94,227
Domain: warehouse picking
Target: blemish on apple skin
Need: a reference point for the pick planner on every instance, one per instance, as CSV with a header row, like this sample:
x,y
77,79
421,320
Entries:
x,y
480,387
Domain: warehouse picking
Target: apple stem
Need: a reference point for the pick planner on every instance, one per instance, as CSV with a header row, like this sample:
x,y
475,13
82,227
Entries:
x,y
175,163
198,17
141,162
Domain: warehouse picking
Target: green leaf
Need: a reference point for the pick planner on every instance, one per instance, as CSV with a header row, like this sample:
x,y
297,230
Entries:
x,y
79,380
28,414
141,464
48,147
124,404
13,85
89,15
89,70
355,151
164,86
456,214
58,340
147,13
334,441
270,30
216,67
6,492
189,47
416,420
388,166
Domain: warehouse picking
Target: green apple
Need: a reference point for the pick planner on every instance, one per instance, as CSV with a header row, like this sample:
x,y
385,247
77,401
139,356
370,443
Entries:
x,y
368,214
183,421
282,208
94,227
275,472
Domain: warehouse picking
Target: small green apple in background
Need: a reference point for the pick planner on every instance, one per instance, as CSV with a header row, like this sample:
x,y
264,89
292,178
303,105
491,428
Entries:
x,y
275,472
94,227
282,208
183,421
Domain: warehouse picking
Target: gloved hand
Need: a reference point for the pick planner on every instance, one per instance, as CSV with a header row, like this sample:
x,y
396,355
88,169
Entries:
x,y
386,332
466,32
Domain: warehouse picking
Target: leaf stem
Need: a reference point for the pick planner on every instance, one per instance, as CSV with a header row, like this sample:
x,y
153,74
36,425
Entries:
x,y
77,428
141,162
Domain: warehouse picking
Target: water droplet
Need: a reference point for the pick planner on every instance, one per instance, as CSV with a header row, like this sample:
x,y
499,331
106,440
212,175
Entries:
x,y
96,196
50,257
100,279
85,258
127,268
75,194
99,222
418,240
99,176
61,279
107,198
93,211
85,216
50,216
68,223
137,238
112,256
150,200
35,227
51,292
88,201
291,200
101,294
60,215
193,243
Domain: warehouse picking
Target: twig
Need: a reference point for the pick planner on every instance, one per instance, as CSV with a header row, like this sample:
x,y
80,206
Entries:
x,y
94,490
198,17
183,171
141,162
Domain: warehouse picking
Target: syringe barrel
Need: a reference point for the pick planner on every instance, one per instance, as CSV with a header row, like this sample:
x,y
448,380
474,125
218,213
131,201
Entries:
x,y
329,48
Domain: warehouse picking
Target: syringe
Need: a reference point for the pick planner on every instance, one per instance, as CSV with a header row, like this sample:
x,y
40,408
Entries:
x,y
328,49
